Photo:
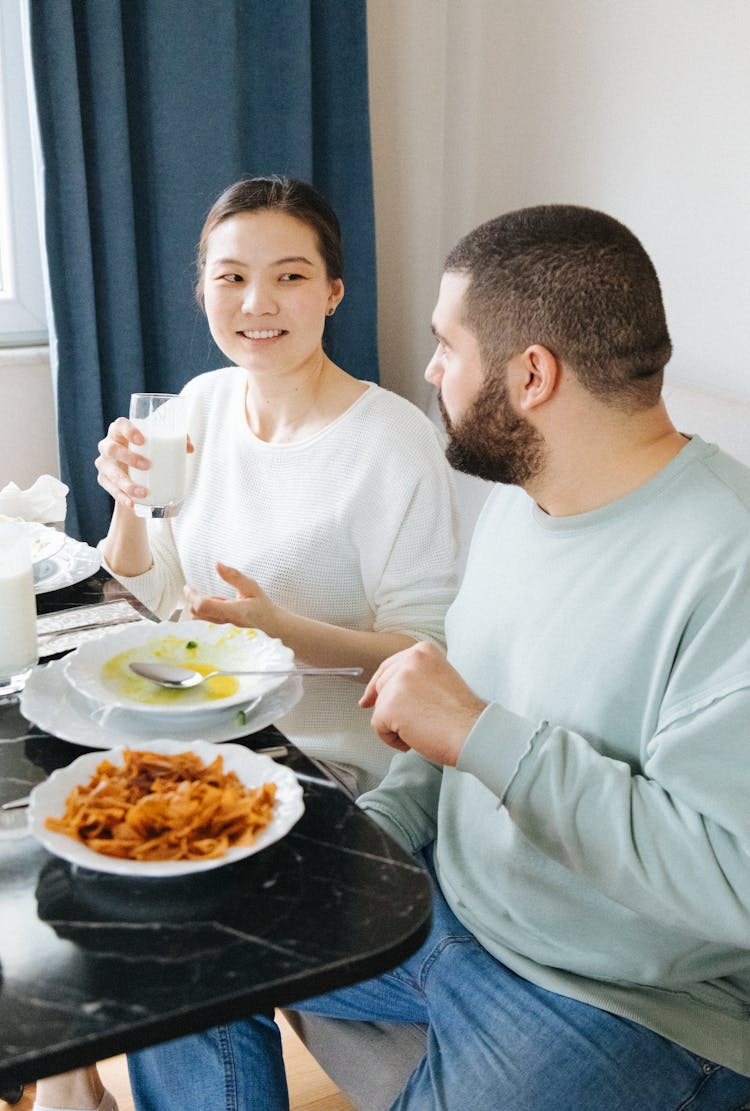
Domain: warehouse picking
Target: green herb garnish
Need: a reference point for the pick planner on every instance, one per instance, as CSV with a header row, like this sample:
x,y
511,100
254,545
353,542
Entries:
x,y
240,718
192,644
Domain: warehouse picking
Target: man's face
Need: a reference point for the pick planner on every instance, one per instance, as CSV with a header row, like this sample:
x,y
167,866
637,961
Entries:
x,y
456,366
487,438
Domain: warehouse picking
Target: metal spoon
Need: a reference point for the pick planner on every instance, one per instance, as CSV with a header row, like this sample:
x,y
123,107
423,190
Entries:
x,y
182,677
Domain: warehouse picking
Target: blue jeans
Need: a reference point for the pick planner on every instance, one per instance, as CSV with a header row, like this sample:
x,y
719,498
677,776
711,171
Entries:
x,y
494,1041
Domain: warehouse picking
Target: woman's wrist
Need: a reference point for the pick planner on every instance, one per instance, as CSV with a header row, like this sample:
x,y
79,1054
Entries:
x,y
281,624
126,548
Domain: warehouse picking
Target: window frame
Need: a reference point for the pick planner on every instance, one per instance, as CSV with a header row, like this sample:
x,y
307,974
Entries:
x,y
23,315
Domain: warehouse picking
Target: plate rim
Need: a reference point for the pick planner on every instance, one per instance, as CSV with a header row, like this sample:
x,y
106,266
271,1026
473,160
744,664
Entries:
x,y
293,687
78,854
81,555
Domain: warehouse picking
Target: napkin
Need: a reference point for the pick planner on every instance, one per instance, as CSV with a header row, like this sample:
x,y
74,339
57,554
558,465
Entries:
x,y
44,501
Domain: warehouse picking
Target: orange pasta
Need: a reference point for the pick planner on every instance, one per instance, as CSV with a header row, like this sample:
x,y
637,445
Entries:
x,y
159,807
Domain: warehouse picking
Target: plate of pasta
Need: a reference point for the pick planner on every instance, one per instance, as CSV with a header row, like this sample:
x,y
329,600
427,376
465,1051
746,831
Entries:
x,y
165,808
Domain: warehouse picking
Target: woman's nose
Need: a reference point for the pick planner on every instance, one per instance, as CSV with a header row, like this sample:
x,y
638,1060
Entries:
x,y
258,299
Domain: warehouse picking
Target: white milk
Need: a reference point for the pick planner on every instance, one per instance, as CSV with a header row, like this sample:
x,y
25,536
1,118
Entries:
x,y
165,479
18,646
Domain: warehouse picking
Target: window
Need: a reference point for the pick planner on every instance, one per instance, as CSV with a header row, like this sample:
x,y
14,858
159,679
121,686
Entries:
x,y
22,300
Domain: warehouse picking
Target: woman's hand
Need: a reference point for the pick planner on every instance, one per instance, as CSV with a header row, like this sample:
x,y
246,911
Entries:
x,y
313,642
117,452
250,608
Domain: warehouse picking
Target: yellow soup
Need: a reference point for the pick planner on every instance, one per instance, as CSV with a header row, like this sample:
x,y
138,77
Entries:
x,y
176,652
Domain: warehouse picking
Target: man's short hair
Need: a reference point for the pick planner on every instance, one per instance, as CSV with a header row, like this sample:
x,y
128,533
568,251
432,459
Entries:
x,y
575,281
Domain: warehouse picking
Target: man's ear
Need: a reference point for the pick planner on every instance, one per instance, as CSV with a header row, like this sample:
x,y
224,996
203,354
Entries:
x,y
533,377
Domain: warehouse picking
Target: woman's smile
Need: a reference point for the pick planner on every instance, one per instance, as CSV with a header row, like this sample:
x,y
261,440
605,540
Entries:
x,y
257,338
264,334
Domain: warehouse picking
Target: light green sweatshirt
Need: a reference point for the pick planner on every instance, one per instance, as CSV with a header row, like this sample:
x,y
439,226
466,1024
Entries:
x,y
595,835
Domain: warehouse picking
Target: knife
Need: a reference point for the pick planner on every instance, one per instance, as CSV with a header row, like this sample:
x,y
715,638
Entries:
x,y
90,625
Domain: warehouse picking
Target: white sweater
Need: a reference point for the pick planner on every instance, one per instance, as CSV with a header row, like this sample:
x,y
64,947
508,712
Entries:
x,y
352,526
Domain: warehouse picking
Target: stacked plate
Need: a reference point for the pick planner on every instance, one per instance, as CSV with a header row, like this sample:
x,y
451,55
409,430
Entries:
x,y
92,698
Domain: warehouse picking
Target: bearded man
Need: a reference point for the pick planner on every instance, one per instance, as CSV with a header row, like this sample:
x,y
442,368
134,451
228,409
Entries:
x,y
575,772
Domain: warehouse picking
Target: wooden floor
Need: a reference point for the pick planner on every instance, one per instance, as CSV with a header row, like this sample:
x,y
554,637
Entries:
x,y
309,1087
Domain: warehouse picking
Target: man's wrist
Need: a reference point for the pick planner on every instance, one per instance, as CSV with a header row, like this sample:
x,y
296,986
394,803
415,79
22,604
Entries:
x,y
497,744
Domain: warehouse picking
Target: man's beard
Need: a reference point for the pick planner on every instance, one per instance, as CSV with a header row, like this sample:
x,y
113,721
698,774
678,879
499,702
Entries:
x,y
491,441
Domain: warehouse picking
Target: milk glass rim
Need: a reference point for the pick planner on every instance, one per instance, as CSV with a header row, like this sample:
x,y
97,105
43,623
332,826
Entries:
x,y
166,396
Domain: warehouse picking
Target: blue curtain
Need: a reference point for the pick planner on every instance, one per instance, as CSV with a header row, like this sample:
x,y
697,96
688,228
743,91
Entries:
x,y
147,110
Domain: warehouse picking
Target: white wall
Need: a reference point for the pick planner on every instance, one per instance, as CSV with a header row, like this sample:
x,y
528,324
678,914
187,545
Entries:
x,y
641,109
27,416
407,113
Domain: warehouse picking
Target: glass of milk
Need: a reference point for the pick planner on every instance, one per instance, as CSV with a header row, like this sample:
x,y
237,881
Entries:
x,y
162,418
18,644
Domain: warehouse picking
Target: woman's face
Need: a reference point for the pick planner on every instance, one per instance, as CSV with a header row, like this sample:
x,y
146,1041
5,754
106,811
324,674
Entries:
x,y
266,291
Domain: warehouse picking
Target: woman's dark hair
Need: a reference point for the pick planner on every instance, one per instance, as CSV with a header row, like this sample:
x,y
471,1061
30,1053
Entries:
x,y
575,281
280,194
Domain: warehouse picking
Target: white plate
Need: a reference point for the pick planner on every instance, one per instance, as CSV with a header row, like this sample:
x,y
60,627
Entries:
x,y
50,702
223,646
48,800
74,562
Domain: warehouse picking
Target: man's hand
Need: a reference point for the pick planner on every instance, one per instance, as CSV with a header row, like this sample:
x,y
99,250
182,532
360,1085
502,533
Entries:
x,y
421,702
250,609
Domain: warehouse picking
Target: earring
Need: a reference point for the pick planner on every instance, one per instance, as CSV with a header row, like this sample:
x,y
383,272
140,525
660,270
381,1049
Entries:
x,y
331,310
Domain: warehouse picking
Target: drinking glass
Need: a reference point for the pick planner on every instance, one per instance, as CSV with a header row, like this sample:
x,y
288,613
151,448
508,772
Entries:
x,y
162,418
18,643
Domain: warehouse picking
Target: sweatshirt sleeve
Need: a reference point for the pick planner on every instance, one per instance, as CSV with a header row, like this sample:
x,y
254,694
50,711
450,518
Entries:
x,y
678,827
405,804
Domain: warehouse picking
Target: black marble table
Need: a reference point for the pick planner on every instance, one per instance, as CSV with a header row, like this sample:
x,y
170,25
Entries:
x,y
92,965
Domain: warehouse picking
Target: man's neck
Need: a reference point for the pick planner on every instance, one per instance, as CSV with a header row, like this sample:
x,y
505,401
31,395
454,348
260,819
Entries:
x,y
602,456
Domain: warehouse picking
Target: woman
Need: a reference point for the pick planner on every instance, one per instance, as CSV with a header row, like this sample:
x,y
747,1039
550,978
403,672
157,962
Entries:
x,y
325,499
319,507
